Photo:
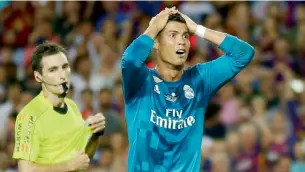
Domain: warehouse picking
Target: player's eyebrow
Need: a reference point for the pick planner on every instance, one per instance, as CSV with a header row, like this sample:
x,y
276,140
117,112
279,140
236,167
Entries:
x,y
53,68
175,31
65,65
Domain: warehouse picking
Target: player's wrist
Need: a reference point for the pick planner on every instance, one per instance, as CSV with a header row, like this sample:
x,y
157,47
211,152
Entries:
x,y
200,31
69,166
98,134
151,31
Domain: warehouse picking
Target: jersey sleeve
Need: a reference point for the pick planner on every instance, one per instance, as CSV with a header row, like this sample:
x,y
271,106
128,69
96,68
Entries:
x,y
134,70
216,73
27,137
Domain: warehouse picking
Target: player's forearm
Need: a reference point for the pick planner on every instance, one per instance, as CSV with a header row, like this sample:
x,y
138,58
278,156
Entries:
x,y
214,36
151,31
238,52
237,55
231,45
133,64
27,166
137,52
92,146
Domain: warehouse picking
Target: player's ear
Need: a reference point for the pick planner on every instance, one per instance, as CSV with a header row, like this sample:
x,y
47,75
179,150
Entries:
x,y
37,76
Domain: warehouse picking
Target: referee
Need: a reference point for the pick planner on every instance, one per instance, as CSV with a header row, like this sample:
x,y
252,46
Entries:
x,y
50,134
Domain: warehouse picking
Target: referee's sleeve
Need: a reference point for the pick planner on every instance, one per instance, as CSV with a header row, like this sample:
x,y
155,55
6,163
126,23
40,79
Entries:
x,y
27,138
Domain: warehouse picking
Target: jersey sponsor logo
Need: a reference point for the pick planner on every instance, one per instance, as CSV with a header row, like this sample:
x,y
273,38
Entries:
x,y
173,119
25,148
156,89
29,130
22,116
188,92
172,97
18,137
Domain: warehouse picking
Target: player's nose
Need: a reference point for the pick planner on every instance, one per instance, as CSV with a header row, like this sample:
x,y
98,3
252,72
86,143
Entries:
x,y
63,76
181,41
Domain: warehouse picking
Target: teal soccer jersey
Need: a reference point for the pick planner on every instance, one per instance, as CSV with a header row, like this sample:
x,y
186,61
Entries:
x,y
165,120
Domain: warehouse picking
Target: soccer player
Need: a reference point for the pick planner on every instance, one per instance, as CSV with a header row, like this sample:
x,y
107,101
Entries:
x,y
50,134
165,106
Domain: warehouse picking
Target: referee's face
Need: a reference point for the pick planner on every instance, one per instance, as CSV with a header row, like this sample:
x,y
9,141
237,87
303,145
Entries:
x,y
55,71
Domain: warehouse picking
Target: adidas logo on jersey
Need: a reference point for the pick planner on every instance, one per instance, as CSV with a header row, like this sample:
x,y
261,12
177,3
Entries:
x,y
157,80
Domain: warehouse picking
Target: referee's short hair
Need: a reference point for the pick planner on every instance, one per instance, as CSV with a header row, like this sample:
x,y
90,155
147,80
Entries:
x,y
42,50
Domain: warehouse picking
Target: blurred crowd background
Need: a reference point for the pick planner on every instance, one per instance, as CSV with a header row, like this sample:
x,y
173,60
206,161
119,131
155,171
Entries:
x,y
255,123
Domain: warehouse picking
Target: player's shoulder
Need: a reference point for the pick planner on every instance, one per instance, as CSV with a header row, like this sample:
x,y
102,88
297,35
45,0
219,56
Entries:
x,y
32,111
190,68
72,105
69,101
193,69
34,107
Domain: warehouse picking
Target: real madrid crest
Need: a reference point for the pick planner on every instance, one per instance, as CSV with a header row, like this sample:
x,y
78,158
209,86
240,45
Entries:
x,y
188,92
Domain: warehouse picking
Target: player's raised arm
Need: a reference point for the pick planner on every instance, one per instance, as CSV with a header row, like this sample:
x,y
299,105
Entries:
x,y
237,55
134,70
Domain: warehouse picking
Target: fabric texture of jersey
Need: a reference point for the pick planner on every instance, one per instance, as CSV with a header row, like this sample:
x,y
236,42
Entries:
x,y
165,120
45,136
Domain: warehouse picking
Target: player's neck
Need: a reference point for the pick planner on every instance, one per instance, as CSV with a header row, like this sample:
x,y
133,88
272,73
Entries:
x,y
55,100
168,73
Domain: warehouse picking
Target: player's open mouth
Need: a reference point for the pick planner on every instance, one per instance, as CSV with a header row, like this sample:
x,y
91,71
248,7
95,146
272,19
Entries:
x,y
180,52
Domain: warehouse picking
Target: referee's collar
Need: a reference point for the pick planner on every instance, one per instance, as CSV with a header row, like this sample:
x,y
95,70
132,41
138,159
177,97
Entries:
x,y
48,104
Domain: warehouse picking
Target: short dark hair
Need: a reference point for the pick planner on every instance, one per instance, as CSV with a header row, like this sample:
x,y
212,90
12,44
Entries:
x,y
42,50
176,17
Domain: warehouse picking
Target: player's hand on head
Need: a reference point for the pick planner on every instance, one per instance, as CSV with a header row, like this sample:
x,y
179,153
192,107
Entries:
x,y
171,10
191,25
159,21
97,122
80,161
